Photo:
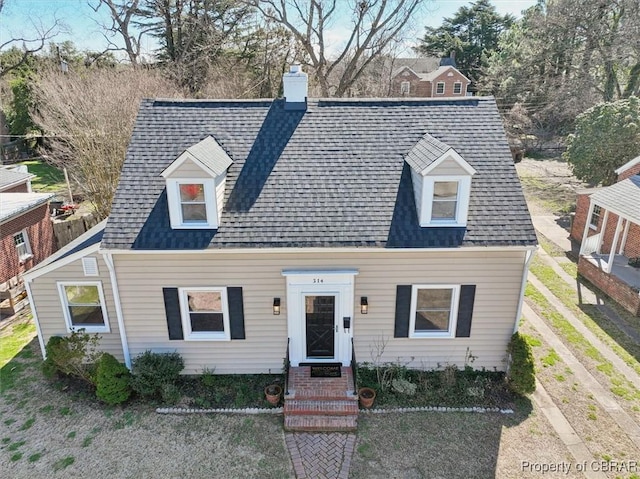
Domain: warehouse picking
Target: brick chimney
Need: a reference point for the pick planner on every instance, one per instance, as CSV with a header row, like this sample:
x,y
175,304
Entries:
x,y
296,85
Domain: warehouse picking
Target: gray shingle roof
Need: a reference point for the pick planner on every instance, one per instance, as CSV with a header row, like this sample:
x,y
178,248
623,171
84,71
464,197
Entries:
x,y
622,198
425,152
12,177
333,175
211,155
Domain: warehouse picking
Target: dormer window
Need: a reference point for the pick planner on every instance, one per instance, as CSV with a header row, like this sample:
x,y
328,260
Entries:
x,y
445,200
195,186
193,206
441,183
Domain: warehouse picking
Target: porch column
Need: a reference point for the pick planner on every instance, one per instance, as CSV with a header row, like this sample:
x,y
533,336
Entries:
x,y
585,234
623,243
612,254
603,231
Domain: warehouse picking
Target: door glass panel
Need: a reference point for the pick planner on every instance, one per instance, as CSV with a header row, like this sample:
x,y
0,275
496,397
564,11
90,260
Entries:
x,y
320,321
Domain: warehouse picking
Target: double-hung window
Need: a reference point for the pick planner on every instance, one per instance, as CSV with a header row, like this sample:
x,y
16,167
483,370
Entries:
x,y
440,88
595,217
84,306
21,241
457,88
192,203
405,88
433,311
205,314
445,201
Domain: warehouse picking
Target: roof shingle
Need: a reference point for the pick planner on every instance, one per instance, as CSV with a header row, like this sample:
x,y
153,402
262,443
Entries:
x,y
333,175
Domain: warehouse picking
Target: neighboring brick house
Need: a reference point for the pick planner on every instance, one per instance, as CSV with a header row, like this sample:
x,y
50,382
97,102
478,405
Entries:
x,y
26,235
421,80
611,216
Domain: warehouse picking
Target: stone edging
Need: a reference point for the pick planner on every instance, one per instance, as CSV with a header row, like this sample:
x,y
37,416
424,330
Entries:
x,y
279,410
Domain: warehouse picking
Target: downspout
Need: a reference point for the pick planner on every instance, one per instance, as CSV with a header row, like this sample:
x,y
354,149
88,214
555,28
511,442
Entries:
x,y
27,286
108,259
528,258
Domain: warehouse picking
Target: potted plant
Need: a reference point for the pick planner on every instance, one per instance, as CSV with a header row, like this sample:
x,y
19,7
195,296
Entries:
x,y
273,393
366,396
634,262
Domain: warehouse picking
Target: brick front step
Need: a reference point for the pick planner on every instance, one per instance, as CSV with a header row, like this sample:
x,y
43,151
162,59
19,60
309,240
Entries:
x,y
320,423
323,394
328,408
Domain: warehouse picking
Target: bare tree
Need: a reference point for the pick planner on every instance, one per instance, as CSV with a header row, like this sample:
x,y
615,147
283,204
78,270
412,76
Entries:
x,y
124,24
30,45
375,23
87,120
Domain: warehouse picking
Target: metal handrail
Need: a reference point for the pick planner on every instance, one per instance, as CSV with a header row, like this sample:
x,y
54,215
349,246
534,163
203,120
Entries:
x,y
354,369
287,367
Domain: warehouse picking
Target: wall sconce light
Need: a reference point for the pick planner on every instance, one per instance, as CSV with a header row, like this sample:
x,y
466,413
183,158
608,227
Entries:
x,y
276,306
364,305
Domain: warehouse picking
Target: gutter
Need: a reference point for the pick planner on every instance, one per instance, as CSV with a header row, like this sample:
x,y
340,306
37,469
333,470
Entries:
x,y
34,313
523,285
108,259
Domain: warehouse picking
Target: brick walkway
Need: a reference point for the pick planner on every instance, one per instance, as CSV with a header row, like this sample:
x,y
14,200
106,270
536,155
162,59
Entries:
x,y
321,455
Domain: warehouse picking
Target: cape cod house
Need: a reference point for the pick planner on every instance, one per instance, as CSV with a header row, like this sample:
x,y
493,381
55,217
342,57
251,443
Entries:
x,y
243,229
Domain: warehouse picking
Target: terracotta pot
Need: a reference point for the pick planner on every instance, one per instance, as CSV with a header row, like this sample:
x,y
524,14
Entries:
x,y
273,393
366,396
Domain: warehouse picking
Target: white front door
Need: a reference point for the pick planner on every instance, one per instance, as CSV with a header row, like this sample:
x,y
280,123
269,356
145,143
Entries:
x,y
319,306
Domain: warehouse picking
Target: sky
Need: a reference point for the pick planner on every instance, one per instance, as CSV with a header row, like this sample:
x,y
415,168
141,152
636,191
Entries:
x,y
20,18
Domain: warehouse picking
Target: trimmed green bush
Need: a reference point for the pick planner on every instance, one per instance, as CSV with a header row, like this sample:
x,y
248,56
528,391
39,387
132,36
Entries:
x,y
112,380
521,376
152,371
74,355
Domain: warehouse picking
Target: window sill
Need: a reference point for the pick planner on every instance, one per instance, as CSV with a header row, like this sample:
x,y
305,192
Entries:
x,y
594,228
207,337
90,329
26,258
443,335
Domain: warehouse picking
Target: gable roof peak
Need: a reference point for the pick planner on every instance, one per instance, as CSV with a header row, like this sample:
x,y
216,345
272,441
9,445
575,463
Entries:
x,y
429,152
207,153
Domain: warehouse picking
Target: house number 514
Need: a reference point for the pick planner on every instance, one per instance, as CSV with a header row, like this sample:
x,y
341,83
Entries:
x,y
318,280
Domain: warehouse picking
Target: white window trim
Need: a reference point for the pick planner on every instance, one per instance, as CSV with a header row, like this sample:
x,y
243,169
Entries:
x,y
444,87
405,88
65,307
186,320
27,244
453,315
454,88
462,208
175,210
591,225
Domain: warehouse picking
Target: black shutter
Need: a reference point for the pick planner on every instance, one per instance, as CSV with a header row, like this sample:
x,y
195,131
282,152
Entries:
x,y
465,310
172,309
403,311
236,312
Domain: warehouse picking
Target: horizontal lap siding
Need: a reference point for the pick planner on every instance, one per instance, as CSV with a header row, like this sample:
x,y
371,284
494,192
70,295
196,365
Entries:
x,y
44,290
142,277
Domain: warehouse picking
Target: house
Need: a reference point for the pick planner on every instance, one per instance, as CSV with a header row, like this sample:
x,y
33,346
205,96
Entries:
x,y
26,235
607,227
413,78
243,231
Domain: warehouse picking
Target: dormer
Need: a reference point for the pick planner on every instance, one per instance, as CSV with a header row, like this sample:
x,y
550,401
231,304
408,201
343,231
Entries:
x,y
195,186
441,183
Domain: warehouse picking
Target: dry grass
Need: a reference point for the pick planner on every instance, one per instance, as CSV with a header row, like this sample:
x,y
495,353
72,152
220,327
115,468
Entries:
x,y
48,433
455,445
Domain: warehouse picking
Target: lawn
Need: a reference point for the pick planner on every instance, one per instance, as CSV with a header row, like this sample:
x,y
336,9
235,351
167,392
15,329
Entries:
x,y
49,179
15,337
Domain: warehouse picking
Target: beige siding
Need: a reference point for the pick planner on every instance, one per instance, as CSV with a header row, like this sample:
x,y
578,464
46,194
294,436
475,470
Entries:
x,y
497,276
448,167
188,169
49,306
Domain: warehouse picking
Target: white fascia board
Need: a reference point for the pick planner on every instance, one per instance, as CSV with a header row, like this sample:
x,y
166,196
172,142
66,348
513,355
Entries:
x,y
52,262
21,181
627,165
51,266
169,170
320,250
450,153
